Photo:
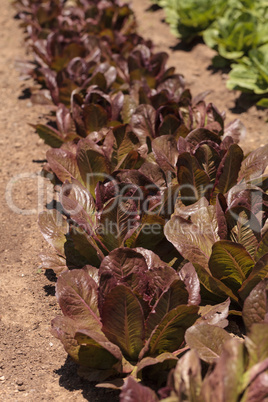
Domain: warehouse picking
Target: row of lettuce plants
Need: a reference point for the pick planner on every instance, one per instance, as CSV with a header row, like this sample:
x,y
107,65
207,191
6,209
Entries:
x,y
236,29
158,227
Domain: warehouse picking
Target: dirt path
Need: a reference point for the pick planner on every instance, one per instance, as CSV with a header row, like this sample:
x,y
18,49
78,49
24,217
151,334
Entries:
x,y
33,365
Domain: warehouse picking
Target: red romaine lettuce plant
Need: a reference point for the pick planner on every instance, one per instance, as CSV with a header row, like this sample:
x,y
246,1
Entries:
x,y
129,316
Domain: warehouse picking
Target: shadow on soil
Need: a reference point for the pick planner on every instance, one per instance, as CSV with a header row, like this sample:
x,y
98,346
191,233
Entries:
x,y
70,380
187,46
244,102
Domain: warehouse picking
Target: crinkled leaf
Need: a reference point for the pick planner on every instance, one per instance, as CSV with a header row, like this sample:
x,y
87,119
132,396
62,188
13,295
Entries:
x,y
208,159
122,266
53,261
244,229
215,315
92,164
118,219
54,227
166,152
207,340
143,122
190,278
64,164
255,309
77,295
64,328
254,164
194,238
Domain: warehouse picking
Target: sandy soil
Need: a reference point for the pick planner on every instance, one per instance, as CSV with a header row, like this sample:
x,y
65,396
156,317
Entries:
x,y
33,365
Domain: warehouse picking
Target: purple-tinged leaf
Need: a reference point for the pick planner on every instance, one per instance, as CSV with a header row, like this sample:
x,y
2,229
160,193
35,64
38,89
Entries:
x,y
53,261
132,391
243,228
215,315
78,203
187,376
122,262
225,382
228,170
236,130
169,126
230,263
221,207
123,321
129,107
64,164
194,182
194,238
77,296
207,341
254,164
96,351
92,164
165,152
255,309
202,134
175,295
143,122
190,278
64,120
122,266
154,173
258,389
152,259
148,232
117,222
64,328
54,227
209,160
95,117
